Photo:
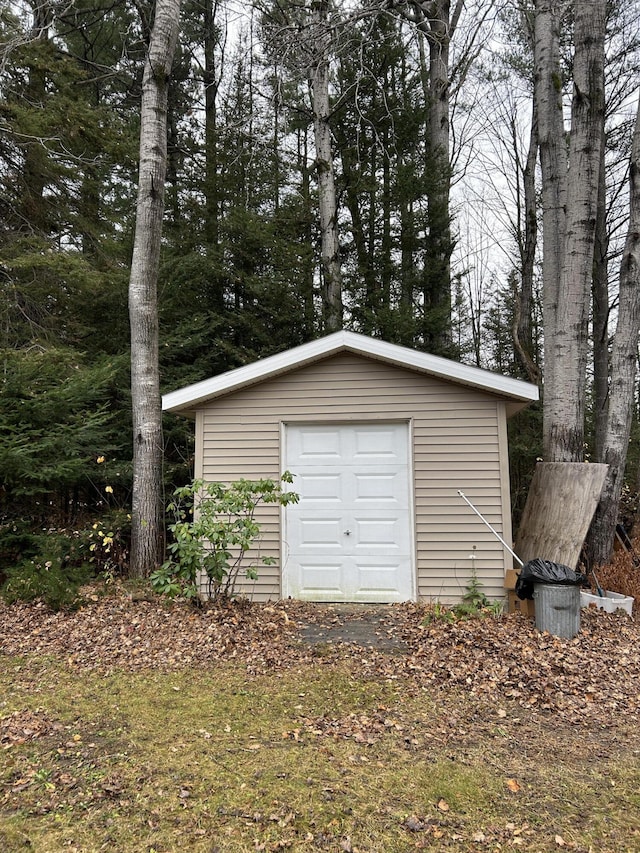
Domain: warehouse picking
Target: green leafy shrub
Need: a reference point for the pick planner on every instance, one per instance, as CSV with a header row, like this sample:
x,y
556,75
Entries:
x,y
19,538
54,575
49,579
474,604
439,613
214,529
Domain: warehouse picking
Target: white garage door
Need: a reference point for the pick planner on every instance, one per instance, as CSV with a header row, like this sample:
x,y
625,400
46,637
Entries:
x,y
349,537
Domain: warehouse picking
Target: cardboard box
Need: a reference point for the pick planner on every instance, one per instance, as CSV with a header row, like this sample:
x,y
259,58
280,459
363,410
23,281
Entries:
x,y
510,579
517,605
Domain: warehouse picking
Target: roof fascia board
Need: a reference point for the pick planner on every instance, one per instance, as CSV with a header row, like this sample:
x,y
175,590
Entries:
x,y
444,368
190,397
248,374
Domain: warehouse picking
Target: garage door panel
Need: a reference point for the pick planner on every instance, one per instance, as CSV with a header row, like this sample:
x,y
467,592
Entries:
x,y
377,579
317,445
320,578
378,444
320,533
325,488
377,533
366,580
390,488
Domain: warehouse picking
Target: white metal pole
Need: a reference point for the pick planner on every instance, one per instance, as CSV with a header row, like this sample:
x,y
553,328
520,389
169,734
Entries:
x,y
495,532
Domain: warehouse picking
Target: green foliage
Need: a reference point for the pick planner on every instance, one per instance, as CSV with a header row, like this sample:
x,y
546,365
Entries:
x,y
474,604
18,540
54,415
396,259
525,448
439,613
54,575
109,543
215,527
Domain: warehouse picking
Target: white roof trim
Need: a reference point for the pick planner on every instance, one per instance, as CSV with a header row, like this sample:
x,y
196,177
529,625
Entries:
x,y
192,396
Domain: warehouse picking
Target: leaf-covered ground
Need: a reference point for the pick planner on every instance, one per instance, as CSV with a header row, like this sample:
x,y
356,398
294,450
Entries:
x,y
596,675
137,725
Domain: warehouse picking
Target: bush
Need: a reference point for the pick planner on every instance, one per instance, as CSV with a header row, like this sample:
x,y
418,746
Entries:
x,y
215,527
474,604
19,538
109,543
56,586
53,574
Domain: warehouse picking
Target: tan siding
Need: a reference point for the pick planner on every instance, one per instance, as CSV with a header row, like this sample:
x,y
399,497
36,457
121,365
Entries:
x,y
457,443
199,445
503,439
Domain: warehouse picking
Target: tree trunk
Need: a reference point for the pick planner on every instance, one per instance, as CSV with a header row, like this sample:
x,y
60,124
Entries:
x,y
553,162
211,85
307,220
600,320
624,359
437,289
327,202
34,210
523,301
567,307
147,502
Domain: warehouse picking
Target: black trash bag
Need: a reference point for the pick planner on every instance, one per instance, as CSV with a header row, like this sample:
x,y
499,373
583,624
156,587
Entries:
x,y
544,571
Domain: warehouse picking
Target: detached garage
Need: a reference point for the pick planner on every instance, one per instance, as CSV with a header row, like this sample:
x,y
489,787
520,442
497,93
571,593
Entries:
x,y
380,439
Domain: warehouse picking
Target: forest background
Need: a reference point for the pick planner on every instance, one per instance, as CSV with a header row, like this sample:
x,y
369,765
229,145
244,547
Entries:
x,y
366,164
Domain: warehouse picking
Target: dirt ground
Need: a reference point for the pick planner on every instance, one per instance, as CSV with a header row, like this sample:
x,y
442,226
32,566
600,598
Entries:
x,y
366,625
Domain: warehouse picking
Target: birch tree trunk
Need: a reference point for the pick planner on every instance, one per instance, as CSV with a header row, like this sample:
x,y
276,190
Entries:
x,y
553,163
600,299
147,502
568,237
624,359
327,200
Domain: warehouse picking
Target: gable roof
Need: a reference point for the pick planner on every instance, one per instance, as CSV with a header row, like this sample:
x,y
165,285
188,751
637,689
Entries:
x,y
186,400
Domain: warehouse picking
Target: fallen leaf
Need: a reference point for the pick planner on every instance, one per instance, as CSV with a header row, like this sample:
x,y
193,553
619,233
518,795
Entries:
x,y
112,787
560,841
443,805
513,785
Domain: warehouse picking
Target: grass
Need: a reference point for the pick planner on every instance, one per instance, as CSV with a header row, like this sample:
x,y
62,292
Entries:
x,y
315,759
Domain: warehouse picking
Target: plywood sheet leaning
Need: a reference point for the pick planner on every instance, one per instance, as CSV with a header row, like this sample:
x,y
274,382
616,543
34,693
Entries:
x,y
562,500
